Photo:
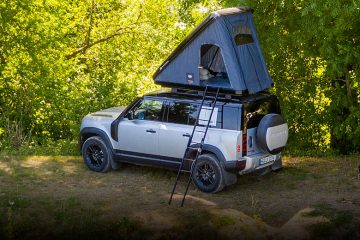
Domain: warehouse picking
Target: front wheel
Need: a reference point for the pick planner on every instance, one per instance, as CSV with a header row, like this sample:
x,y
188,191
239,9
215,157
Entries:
x,y
207,175
96,154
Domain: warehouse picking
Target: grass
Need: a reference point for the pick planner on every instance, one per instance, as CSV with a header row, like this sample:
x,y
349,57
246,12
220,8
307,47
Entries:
x,y
341,224
49,148
223,221
57,197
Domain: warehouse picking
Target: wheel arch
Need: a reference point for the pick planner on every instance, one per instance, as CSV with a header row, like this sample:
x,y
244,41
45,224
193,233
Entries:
x,y
207,148
88,132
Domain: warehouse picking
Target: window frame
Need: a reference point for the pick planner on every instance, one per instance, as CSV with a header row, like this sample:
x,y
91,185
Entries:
x,y
163,108
167,111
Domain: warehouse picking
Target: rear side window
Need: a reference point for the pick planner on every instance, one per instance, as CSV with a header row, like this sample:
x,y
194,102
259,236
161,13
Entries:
x,y
182,113
193,112
178,113
231,118
228,117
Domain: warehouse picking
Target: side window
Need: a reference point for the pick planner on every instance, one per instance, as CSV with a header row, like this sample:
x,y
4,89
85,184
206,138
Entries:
x,y
178,112
186,113
193,112
149,110
242,34
182,113
231,118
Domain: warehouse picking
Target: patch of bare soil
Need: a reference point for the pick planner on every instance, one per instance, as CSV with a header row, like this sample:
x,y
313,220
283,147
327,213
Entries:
x,y
64,198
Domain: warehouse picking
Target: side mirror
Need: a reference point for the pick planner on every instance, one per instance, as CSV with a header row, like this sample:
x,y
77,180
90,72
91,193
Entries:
x,y
130,115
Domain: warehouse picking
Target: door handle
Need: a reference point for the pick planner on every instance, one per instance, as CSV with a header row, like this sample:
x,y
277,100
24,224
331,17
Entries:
x,y
186,135
151,131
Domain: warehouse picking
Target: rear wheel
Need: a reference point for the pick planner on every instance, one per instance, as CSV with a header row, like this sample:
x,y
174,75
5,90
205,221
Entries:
x,y
97,155
207,175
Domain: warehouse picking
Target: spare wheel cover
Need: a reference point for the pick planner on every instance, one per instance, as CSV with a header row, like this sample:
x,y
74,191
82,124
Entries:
x,y
272,133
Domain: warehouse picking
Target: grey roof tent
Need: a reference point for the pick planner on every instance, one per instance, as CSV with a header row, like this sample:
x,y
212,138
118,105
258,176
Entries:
x,y
223,51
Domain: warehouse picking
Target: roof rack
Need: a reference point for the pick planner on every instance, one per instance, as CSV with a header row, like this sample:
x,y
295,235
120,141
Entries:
x,y
229,94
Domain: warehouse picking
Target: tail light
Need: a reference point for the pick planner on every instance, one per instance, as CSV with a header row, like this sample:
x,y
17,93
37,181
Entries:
x,y
244,144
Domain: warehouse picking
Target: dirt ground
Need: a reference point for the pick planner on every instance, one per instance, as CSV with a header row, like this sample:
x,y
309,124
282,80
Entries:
x,y
44,197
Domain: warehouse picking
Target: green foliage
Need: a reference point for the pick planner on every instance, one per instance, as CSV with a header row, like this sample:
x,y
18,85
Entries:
x,y
313,54
63,59
48,147
60,60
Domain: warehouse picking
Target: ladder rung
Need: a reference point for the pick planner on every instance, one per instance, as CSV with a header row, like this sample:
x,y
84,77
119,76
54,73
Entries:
x,y
205,120
187,171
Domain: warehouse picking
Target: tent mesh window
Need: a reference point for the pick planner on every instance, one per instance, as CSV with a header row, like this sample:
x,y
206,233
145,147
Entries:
x,y
212,69
242,34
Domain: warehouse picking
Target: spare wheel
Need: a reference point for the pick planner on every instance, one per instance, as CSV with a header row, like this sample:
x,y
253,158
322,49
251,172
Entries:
x,y
272,133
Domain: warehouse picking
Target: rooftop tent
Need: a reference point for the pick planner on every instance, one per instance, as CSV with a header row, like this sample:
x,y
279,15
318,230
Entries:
x,y
223,51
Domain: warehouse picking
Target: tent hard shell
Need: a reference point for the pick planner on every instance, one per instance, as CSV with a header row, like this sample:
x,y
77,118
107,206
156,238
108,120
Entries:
x,y
222,52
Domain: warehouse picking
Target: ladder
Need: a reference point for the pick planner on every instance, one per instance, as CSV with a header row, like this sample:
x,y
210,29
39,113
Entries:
x,y
192,145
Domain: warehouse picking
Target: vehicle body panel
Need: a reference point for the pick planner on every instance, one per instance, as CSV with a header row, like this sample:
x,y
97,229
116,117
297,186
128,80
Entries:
x,y
166,145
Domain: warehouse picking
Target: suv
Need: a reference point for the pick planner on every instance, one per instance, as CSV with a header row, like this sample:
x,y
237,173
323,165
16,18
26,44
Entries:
x,y
247,135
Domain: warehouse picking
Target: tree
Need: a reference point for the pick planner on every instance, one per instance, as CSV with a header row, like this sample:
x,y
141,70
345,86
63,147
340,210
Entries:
x,y
312,51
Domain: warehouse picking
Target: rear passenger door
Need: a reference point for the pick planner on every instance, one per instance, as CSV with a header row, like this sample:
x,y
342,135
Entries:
x,y
175,131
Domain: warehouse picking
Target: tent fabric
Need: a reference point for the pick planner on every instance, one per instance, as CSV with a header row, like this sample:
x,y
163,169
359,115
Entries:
x,y
226,45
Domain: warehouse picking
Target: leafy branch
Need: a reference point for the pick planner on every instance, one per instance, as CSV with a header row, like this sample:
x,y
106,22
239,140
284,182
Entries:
x,y
119,31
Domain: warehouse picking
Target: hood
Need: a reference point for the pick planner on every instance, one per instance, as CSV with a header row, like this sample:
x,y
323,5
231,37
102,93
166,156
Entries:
x,y
113,112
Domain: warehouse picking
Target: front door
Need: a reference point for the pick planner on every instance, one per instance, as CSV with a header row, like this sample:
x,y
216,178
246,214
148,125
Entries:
x,y
141,134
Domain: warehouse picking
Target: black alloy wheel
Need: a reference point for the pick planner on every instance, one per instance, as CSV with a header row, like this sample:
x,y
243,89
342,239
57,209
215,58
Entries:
x,y
96,154
208,175
205,173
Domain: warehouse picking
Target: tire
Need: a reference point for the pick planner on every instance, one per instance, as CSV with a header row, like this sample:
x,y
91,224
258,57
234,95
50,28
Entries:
x,y
97,155
272,133
208,167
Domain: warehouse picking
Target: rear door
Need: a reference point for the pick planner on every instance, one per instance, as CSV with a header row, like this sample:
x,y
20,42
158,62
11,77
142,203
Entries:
x,y
175,131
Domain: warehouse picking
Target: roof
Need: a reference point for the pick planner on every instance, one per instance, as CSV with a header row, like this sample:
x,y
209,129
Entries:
x,y
207,21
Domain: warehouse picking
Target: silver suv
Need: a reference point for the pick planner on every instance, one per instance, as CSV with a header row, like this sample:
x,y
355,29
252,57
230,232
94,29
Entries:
x,y
246,134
